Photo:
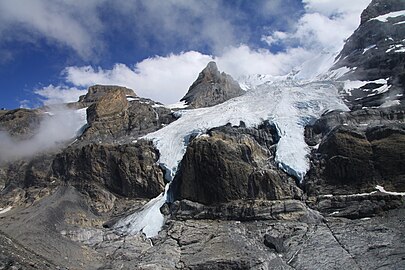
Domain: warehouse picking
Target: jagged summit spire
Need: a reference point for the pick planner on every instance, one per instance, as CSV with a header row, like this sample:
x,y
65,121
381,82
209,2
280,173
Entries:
x,y
211,88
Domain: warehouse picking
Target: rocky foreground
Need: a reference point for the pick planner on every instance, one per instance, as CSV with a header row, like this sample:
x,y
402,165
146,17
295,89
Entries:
x,y
231,206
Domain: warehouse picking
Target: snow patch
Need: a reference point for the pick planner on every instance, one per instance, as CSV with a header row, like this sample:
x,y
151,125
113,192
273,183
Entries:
x,y
390,103
5,210
315,67
178,105
381,189
349,86
369,48
384,18
395,48
337,73
148,220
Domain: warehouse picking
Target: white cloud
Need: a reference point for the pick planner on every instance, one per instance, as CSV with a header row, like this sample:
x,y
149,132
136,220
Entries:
x,y
276,37
324,26
61,125
84,26
164,79
59,94
242,60
167,79
74,24
194,22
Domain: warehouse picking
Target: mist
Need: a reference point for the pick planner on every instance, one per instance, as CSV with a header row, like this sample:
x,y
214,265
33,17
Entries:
x,y
58,126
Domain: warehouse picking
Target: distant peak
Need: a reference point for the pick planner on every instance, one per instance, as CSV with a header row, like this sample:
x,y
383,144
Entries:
x,y
211,88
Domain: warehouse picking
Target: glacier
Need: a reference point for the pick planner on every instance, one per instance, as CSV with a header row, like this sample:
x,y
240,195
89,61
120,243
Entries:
x,y
289,104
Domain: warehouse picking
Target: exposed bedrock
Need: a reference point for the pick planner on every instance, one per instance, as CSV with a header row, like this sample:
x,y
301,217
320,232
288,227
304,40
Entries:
x,y
129,170
115,117
357,150
233,163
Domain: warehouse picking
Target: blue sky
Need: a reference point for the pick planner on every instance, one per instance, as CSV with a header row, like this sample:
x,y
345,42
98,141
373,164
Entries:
x,y
52,50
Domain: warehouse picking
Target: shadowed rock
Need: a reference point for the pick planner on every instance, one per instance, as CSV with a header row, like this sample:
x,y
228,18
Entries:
x,y
231,164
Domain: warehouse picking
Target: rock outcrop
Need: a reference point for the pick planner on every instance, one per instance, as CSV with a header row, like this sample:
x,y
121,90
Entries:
x,y
211,88
233,163
358,150
114,116
128,170
96,92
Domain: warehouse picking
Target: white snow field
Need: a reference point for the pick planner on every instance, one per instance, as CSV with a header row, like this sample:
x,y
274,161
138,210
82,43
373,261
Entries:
x,y
288,104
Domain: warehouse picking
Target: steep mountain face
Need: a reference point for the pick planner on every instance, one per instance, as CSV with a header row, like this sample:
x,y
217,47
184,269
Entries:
x,y
211,88
281,176
374,56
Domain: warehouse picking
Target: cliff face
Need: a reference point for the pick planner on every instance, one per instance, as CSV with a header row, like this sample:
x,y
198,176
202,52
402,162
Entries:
x,y
232,204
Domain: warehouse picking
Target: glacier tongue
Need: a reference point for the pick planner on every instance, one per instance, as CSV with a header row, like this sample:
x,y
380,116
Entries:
x,y
289,104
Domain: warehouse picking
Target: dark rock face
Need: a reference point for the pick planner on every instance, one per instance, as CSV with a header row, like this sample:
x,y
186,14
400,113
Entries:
x,y
231,164
378,7
20,123
129,170
357,155
211,88
373,52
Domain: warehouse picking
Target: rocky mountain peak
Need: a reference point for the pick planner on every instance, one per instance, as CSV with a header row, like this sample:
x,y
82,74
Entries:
x,y
95,92
381,7
211,88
